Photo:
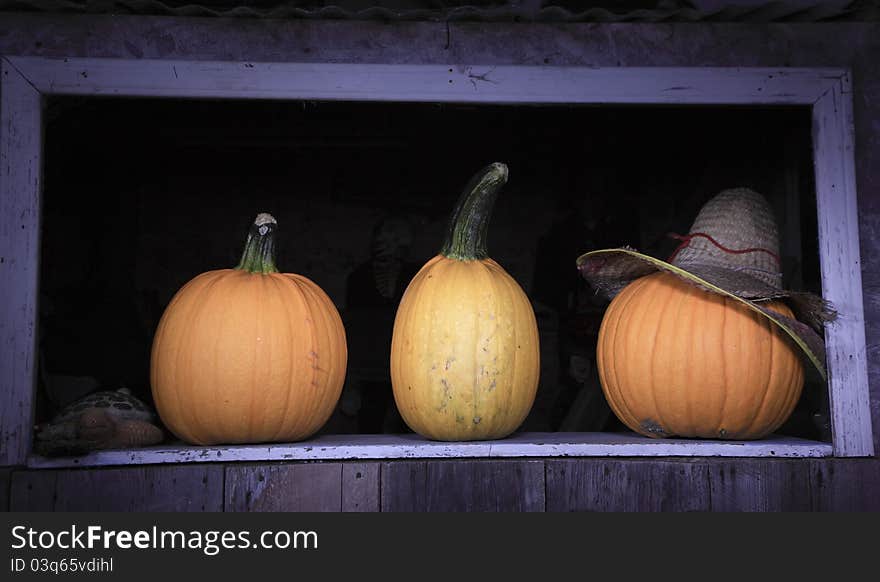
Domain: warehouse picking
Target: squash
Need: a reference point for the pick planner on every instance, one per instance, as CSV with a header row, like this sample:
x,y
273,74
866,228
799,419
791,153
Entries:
x,y
464,349
676,360
249,354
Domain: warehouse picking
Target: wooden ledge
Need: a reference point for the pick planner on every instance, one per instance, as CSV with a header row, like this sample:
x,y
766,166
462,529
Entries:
x,y
408,446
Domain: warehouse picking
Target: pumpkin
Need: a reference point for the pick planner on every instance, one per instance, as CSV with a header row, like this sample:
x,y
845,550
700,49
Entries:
x,y
464,349
249,354
675,360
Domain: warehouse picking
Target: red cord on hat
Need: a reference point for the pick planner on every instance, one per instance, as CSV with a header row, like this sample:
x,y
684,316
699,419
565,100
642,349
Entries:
x,y
687,239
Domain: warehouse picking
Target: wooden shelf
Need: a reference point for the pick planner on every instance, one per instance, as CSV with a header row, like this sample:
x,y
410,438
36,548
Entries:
x,y
380,446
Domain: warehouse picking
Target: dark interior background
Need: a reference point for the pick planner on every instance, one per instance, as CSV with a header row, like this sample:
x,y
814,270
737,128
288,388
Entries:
x,y
141,195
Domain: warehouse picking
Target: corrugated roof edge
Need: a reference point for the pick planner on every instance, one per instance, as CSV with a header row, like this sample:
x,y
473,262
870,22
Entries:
x,y
781,11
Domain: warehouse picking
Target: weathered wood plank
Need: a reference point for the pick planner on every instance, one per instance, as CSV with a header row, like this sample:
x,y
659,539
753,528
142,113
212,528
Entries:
x,y
21,139
745,485
404,486
480,485
409,446
429,82
838,223
486,486
571,485
626,485
190,488
288,487
39,490
846,485
713,485
360,487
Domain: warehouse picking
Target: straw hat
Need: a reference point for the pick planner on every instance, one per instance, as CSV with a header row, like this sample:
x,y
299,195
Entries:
x,y
732,249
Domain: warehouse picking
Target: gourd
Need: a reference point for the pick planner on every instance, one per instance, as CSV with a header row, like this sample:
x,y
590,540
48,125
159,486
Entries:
x,y
675,360
249,354
464,349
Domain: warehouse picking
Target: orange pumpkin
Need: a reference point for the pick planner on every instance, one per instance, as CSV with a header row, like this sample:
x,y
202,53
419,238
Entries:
x,y
675,360
249,354
464,351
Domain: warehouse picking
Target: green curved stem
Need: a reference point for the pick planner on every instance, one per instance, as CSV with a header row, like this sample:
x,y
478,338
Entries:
x,y
466,236
259,250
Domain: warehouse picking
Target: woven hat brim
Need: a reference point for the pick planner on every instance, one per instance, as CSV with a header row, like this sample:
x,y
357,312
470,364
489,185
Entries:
x,y
610,270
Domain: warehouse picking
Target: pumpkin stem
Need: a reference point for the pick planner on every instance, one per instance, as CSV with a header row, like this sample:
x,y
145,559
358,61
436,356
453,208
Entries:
x,y
466,236
259,250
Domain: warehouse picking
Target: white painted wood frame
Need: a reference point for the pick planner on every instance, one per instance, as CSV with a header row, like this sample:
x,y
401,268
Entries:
x,y
409,446
25,80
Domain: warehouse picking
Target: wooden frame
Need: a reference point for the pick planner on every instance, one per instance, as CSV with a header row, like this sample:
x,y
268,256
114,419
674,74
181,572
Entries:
x,y
24,81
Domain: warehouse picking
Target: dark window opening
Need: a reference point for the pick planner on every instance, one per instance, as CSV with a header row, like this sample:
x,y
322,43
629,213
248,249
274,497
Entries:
x,y
141,195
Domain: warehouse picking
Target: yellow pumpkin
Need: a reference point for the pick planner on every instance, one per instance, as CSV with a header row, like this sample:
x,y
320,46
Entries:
x,y
248,355
464,351
675,360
